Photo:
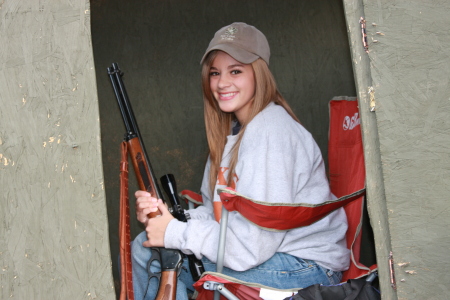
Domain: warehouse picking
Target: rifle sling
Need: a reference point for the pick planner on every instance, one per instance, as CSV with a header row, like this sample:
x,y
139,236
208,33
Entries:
x,y
126,277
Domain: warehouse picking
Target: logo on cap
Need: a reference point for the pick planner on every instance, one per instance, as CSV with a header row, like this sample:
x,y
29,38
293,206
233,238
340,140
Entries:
x,y
229,34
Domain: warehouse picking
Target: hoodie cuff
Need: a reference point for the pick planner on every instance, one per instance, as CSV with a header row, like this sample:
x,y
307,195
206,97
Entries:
x,y
173,238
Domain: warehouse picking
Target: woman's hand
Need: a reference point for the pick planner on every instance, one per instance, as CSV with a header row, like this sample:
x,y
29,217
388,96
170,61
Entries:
x,y
155,227
145,204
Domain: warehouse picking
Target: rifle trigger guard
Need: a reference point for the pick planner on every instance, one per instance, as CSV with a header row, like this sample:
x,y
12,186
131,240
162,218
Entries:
x,y
156,255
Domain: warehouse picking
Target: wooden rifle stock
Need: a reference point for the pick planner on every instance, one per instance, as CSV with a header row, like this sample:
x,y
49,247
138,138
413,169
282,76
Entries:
x,y
144,175
143,172
168,286
170,259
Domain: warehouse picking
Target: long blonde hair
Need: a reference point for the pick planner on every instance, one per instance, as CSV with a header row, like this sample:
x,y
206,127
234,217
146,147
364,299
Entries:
x,y
218,123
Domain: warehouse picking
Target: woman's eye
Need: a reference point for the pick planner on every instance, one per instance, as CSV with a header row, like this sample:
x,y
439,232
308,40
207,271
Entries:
x,y
235,72
213,73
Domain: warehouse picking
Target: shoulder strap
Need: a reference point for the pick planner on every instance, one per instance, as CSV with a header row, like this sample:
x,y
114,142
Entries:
x,y
126,279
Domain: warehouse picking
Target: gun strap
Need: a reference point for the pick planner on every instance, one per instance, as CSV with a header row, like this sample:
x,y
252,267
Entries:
x,y
126,276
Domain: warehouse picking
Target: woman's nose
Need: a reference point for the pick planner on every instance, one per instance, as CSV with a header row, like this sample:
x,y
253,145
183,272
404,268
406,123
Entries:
x,y
223,82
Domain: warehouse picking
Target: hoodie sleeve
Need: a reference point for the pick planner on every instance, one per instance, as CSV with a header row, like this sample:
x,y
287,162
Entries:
x,y
205,211
275,161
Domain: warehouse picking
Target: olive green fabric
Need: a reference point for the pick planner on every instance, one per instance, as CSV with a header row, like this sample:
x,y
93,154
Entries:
x,y
409,69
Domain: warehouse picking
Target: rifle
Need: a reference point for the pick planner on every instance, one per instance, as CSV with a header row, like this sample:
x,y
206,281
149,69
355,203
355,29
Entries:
x,y
170,259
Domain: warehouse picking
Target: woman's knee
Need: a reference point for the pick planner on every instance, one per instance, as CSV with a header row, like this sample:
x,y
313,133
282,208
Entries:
x,y
139,252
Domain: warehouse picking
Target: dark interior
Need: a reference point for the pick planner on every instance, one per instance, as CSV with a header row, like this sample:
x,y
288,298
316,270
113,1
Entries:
x,y
158,45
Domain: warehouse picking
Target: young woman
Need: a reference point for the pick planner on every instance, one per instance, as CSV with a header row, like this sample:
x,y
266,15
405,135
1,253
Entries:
x,y
258,147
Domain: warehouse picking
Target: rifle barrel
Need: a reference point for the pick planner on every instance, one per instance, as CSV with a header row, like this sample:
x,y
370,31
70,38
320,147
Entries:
x,y
129,119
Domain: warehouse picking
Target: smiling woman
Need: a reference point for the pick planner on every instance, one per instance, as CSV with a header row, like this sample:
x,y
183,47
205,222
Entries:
x,y
156,44
278,161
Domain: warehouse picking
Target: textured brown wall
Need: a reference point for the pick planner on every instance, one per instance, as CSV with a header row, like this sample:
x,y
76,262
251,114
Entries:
x,y
158,44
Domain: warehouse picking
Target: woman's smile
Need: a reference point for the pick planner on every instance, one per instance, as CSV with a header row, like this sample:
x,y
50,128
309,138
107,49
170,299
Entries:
x,y
227,96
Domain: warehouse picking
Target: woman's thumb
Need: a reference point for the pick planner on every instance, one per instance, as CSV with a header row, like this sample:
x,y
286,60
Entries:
x,y
162,207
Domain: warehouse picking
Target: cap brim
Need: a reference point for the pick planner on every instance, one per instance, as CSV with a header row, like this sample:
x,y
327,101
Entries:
x,y
238,54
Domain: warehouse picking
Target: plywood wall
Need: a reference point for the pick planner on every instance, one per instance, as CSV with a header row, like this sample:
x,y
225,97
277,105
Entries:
x,y
409,70
54,240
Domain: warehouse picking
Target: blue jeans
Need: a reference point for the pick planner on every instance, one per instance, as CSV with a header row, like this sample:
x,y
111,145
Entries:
x,y
282,271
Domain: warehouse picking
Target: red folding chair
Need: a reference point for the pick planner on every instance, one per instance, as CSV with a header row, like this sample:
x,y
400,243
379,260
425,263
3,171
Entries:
x,y
347,176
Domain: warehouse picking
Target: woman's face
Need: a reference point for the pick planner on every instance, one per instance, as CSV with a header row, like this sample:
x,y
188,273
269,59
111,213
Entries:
x,y
232,84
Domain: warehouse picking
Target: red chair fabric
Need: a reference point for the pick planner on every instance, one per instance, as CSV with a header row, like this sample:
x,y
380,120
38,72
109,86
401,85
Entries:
x,y
242,291
347,173
273,215
191,196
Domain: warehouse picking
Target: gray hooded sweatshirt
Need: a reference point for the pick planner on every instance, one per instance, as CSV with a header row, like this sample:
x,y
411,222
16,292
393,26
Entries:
x,y
279,162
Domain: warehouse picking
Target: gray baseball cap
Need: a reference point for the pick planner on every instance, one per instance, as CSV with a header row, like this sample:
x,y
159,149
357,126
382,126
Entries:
x,y
241,41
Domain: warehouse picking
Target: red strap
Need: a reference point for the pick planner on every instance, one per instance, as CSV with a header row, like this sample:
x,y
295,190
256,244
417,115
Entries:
x,y
274,215
126,277
191,196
